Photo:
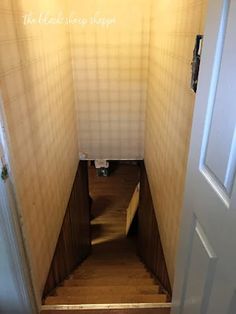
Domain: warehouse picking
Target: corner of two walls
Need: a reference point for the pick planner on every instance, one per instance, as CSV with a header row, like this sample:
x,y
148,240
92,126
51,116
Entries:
x,y
174,25
37,89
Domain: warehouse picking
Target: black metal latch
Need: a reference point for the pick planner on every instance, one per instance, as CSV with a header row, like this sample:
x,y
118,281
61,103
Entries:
x,y
196,62
4,173
3,165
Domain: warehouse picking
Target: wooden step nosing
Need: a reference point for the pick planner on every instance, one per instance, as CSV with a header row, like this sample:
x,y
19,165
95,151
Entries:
x,y
113,306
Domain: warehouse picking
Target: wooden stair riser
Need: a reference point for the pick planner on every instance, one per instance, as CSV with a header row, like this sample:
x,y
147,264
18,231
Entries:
x,y
90,299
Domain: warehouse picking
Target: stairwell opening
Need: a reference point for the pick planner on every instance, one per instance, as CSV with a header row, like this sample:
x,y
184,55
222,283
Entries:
x,y
112,275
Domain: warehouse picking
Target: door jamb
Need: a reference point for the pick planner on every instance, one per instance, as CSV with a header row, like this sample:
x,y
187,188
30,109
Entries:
x,y
11,228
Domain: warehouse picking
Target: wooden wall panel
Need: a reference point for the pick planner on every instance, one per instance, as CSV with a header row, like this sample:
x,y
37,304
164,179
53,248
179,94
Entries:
x,y
74,240
149,241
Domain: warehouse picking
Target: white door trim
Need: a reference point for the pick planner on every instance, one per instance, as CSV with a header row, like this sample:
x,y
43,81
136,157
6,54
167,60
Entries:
x,y
12,232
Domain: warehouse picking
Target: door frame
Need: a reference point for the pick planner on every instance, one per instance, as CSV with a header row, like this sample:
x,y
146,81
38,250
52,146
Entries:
x,y
11,229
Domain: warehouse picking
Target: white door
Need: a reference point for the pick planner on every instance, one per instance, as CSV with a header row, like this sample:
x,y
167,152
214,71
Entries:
x,y
206,265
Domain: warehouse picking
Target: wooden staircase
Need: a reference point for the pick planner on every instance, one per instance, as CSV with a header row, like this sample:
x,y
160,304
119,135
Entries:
x,y
112,279
115,279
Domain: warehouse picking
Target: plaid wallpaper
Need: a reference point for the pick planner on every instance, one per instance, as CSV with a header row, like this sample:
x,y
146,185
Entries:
x,y
174,25
37,90
110,73
131,73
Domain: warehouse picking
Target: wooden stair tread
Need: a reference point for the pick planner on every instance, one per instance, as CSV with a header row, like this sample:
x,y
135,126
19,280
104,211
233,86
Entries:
x,y
114,247
111,274
106,290
108,281
127,252
103,266
113,269
104,299
110,258
100,264
115,265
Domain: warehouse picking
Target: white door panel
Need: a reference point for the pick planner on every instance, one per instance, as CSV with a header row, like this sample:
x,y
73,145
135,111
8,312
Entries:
x,y
222,127
202,260
221,138
205,280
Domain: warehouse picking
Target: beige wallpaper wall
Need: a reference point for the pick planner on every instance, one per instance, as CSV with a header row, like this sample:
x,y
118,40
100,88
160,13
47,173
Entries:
x,y
115,76
110,72
174,25
37,90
